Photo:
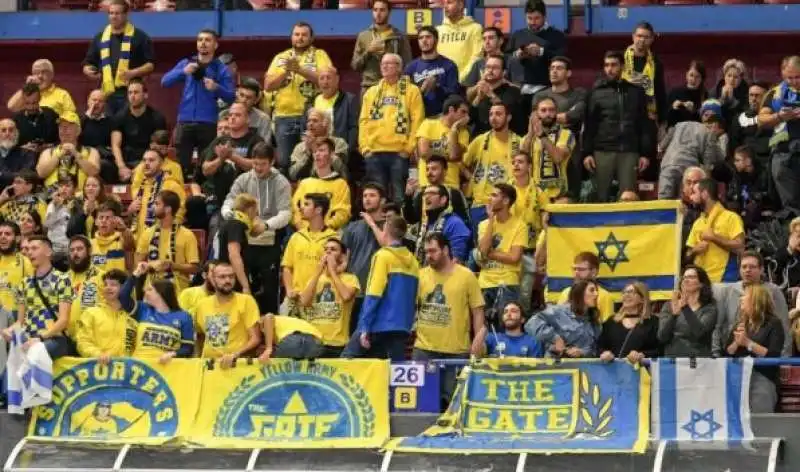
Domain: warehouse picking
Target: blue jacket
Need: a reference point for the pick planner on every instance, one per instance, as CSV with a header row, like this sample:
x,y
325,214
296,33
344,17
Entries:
x,y
390,303
446,73
199,104
558,320
459,236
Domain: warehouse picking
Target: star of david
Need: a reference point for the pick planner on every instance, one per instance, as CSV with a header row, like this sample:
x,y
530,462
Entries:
x,y
706,432
611,242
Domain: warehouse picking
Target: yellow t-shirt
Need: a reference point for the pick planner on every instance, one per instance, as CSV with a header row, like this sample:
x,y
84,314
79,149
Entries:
x,y
286,325
529,206
172,170
108,252
444,304
186,251
719,263
437,134
303,253
328,313
295,91
51,181
57,99
102,330
225,325
605,305
551,177
326,104
14,268
145,191
510,233
189,299
490,161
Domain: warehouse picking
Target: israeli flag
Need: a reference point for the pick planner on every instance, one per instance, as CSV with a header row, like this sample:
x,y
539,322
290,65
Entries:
x,y
701,399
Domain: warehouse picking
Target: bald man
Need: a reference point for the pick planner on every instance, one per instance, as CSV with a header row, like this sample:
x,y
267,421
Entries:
x,y
342,106
13,158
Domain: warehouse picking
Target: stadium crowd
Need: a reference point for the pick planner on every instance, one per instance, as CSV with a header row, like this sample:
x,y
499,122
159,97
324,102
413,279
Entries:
x,y
290,218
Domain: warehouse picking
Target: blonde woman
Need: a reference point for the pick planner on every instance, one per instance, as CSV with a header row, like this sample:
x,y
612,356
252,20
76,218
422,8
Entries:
x,y
632,333
758,333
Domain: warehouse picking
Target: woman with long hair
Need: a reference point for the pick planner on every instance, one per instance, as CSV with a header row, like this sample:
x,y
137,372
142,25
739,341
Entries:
x,y
569,330
632,333
30,223
92,195
164,331
758,333
687,322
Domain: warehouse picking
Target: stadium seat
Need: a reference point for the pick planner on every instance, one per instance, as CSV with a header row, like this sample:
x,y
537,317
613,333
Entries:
x,y
123,192
776,2
733,2
202,244
354,4
44,5
633,3
405,3
789,389
685,2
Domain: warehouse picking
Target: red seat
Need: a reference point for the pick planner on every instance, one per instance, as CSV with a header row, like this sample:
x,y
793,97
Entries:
x,y
354,4
647,190
733,2
631,3
782,1
202,244
405,4
685,2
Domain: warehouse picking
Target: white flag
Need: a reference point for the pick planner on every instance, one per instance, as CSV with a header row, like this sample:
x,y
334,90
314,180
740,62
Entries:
x,y
702,399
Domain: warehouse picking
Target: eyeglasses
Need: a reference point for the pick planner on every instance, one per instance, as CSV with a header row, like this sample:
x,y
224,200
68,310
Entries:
x,y
630,291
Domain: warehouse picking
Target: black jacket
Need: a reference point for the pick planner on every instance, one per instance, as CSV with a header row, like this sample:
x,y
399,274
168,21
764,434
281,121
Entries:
x,y
616,119
744,131
535,69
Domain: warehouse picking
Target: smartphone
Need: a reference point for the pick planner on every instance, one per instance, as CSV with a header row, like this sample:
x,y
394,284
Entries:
x,y
413,173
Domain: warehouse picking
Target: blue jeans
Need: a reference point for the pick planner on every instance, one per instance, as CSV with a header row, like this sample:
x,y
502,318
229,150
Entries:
x,y
288,132
386,345
391,171
298,346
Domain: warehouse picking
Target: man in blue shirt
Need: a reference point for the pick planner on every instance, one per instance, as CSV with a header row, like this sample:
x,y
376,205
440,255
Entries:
x,y
205,80
435,75
513,341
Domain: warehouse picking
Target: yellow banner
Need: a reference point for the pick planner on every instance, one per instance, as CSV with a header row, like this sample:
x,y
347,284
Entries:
x,y
416,19
126,401
288,405
639,241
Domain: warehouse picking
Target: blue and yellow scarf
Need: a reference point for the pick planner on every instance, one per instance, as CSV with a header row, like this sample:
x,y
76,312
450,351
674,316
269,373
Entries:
x,y
111,82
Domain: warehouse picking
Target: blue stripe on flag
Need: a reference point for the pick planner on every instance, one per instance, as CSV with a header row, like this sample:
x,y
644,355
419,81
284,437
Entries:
x,y
613,218
617,284
733,395
42,377
14,397
667,398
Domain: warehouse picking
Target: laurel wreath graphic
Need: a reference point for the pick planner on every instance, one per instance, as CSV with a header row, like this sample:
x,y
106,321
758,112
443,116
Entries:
x,y
362,402
225,416
596,416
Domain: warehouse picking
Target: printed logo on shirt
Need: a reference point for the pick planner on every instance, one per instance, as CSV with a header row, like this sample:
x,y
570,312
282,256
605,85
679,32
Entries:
x,y
454,37
217,330
325,307
163,339
435,310
390,101
125,398
419,77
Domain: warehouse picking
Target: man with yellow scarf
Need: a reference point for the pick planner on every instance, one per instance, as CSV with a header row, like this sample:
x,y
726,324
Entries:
x,y
144,197
391,112
69,157
117,54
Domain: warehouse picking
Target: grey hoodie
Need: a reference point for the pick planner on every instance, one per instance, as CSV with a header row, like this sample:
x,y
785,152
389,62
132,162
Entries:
x,y
274,196
689,143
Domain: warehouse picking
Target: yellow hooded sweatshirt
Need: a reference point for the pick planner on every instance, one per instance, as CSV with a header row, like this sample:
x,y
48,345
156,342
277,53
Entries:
x,y
461,42
337,190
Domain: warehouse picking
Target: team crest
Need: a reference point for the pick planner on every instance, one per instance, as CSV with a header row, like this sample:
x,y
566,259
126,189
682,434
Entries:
x,y
297,401
124,399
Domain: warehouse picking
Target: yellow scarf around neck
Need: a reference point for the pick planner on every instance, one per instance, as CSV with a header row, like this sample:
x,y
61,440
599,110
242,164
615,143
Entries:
x,y
111,82
648,74
242,217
